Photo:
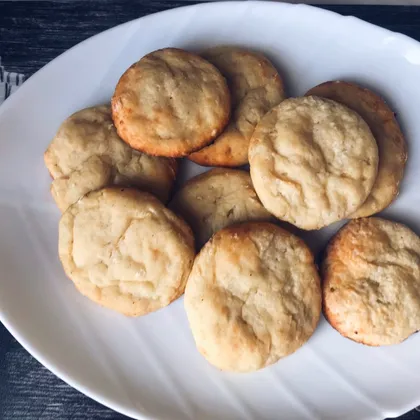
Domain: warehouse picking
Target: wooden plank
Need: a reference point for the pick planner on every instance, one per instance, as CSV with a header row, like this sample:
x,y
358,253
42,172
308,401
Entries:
x,y
32,33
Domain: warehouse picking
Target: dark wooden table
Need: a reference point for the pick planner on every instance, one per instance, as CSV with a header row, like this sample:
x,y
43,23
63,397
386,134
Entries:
x,y
32,33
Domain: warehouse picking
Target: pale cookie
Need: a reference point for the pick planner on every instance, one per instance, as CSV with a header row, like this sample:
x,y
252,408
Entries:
x,y
124,250
216,199
313,161
171,103
87,154
94,173
255,88
391,144
253,296
372,282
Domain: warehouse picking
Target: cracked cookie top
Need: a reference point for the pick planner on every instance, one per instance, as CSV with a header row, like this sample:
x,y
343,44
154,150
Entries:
x,y
87,154
384,126
371,282
216,199
124,250
253,296
171,103
313,161
255,87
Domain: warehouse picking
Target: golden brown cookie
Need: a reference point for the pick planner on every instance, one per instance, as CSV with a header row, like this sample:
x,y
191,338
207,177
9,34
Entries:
x,y
171,103
124,250
253,296
86,154
391,144
371,283
255,87
218,198
313,161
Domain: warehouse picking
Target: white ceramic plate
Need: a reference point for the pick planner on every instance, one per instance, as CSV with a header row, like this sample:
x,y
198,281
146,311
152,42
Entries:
x,y
148,367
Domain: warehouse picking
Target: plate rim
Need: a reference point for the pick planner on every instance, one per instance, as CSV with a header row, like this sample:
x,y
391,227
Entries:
x,y
7,321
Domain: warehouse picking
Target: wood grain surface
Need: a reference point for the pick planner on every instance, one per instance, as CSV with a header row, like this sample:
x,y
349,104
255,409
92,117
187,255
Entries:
x,y
32,33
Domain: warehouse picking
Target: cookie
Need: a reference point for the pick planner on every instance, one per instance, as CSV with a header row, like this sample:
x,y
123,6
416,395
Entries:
x,y
253,296
255,87
171,103
216,199
391,144
371,285
313,161
87,154
124,250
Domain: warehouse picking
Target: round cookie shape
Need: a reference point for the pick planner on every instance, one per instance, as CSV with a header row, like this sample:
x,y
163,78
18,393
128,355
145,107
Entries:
x,y
255,87
124,250
253,296
171,103
387,132
313,161
371,285
216,199
87,154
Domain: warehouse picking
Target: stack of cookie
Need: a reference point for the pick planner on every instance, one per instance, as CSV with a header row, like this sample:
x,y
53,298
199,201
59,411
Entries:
x,y
319,159
253,294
